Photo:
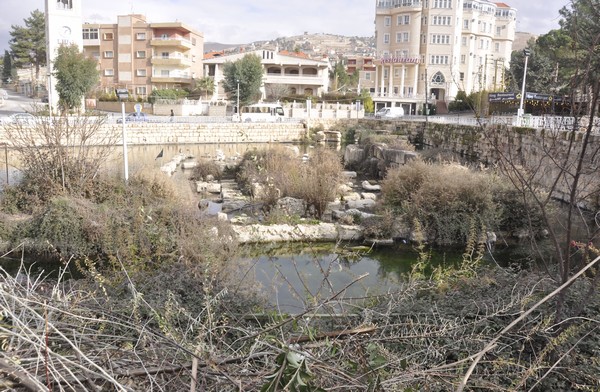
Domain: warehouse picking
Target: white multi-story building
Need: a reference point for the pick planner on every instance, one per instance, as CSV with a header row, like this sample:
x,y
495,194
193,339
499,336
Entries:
x,y
294,73
428,50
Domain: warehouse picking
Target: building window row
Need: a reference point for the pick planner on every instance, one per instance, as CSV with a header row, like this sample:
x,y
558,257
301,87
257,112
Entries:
x,y
442,4
140,36
90,33
109,54
442,20
440,59
440,39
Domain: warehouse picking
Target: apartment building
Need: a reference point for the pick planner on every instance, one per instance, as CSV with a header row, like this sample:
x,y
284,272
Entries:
x,y
284,73
143,56
428,50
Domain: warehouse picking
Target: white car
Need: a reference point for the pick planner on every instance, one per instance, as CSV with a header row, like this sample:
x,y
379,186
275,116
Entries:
x,y
19,118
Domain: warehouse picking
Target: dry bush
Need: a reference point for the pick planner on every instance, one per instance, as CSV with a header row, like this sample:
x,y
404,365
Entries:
x,y
445,199
206,168
281,173
59,155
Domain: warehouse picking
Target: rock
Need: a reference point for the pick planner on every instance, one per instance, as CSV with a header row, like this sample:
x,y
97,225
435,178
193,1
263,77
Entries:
x,y
368,196
189,164
291,206
302,232
209,178
234,205
353,155
351,196
349,174
344,188
379,242
222,217
361,204
366,185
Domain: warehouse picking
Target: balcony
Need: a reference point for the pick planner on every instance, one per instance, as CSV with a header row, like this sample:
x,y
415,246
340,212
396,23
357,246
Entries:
x,y
173,61
385,6
169,79
176,41
91,42
276,78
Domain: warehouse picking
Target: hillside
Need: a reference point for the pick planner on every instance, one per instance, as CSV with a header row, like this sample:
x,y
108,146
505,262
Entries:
x,y
330,45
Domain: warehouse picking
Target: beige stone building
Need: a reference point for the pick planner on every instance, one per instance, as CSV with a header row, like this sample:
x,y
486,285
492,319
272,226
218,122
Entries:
x,y
284,73
143,56
428,50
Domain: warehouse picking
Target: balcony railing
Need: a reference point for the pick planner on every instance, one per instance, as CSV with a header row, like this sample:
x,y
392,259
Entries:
x,y
386,4
173,40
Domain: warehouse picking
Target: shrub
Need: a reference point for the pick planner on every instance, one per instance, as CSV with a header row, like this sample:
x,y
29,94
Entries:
x,y
445,199
282,173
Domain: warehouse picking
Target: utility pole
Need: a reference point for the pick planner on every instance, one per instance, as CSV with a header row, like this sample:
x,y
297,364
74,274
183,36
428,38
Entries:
x,y
520,112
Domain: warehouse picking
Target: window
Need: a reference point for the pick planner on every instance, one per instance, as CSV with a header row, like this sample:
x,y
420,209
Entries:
x,y
96,55
109,72
107,36
438,78
367,75
140,72
140,54
442,20
90,33
403,20
497,47
194,41
405,37
498,30
440,39
64,4
439,59
140,90
463,58
164,72
464,41
386,38
424,21
164,55
442,3
462,76
466,24
140,36
387,21
109,54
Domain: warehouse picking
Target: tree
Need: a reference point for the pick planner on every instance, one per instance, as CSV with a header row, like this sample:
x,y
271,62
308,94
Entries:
x,y
6,67
28,44
76,76
204,86
248,72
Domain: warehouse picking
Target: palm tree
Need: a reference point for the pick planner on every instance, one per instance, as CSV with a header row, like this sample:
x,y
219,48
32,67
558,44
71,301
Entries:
x,y
205,86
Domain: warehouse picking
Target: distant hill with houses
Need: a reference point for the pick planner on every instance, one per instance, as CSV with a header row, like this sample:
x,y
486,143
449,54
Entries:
x,y
314,45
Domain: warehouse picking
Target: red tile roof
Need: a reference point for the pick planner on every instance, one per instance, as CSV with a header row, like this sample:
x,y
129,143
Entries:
x,y
502,5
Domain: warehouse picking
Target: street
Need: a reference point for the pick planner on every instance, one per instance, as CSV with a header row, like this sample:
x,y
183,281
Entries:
x,y
15,103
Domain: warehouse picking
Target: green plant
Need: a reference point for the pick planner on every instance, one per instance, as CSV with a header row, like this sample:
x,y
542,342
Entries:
x,y
291,375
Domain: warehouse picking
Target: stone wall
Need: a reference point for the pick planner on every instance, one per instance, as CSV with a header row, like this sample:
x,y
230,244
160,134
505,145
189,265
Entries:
x,y
198,133
539,150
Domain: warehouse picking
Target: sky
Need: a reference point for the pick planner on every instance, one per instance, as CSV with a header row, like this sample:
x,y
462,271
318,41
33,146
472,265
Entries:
x,y
244,21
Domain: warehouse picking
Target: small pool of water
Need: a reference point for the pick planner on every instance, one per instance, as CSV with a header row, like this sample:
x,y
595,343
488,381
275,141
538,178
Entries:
x,y
294,277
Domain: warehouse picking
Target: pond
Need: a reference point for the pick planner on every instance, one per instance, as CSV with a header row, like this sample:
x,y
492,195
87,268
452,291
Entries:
x,y
295,276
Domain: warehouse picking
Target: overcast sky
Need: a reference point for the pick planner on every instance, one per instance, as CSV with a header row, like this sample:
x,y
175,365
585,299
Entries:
x,y
243,21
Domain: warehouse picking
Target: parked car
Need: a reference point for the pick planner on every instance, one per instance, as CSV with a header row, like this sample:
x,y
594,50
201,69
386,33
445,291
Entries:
x,y
390,112
134,117
19,118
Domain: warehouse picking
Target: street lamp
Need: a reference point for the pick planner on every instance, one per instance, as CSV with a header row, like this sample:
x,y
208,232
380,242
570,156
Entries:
x,y
237,107
520,112
32,56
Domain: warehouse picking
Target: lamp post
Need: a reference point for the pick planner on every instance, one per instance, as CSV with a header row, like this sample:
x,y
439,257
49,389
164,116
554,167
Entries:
x,y
520,112
32,56
237,107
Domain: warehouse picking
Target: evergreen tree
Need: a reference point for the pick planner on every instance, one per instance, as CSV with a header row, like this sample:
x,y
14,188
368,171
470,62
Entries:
x,y
76,76
28,43
248,72
6,67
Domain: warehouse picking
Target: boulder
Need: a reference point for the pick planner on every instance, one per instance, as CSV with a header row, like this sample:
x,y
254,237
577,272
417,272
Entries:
x,y
366,185
349,174
353,155
368,196
351,196
291,206
361,204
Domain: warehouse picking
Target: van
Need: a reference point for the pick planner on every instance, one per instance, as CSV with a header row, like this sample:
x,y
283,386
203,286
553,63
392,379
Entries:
x,y
390,112
265,112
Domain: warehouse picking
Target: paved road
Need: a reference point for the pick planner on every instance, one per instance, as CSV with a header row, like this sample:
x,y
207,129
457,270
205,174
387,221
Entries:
x,y
15,103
